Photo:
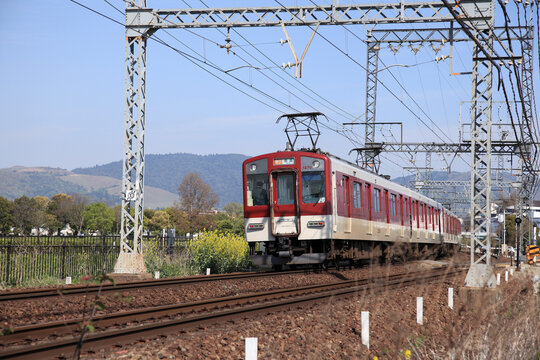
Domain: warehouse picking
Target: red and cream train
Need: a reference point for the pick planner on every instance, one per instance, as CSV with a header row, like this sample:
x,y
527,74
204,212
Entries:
x,y
310,207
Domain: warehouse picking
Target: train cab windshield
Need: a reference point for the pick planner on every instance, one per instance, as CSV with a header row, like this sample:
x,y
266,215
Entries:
x,y
257,189
313,187
257,183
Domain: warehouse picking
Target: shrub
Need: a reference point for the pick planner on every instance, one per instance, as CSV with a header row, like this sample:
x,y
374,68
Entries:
x,y
169,265
221,252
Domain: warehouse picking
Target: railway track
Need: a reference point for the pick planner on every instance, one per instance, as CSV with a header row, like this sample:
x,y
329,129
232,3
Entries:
x,y
28,294
166,319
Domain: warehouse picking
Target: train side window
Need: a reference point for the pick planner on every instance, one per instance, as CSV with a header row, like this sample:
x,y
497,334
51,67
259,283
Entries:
x,y
377,200
393,205
357,195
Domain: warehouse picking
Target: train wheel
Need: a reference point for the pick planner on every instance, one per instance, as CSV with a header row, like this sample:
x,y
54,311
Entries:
x,y
277,267
384,259
324,265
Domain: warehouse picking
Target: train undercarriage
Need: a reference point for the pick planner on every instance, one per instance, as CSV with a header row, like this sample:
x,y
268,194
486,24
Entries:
x,y
289,251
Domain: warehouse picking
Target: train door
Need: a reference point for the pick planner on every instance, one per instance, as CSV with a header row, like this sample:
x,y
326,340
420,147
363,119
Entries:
x,y
417,215
387,211
369,208
347,202
285,211
439,225
402,215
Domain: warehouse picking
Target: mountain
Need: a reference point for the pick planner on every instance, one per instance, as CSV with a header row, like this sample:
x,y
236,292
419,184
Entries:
x,y
43,181
163,174
223,172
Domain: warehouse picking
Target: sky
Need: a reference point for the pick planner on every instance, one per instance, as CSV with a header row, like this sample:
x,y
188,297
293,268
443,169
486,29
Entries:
x,y
63,88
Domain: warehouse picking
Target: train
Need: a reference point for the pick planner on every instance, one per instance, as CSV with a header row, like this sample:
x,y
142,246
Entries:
x,y
311,207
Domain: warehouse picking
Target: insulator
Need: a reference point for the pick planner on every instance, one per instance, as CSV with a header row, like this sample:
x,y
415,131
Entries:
x,y
283,41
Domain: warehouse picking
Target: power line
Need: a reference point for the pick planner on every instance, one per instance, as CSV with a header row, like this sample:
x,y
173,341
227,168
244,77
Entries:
x,y
346,114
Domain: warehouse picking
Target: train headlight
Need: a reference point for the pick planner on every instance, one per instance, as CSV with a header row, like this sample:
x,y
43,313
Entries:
x,y
253,167
315,164
255,227
318,223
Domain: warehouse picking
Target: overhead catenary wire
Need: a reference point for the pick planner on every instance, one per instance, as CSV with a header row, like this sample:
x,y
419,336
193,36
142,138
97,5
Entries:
x,y
227,72
215,67
489,58
516,73
386,87
343,132
194,60
287,105
332,107
391,73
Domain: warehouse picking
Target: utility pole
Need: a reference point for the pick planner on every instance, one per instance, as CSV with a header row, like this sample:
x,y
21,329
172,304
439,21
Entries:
x,y
518,239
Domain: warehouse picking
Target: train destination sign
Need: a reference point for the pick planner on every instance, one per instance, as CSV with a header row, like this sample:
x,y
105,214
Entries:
x,y
287,161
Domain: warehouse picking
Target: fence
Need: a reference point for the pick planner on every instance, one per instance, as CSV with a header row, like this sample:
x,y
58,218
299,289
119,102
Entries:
x,y
25,258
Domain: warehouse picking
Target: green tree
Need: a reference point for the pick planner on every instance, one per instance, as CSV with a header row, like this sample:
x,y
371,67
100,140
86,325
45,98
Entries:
x,y
197,200
224,223
68,209
76,212
6,215
43,219
160,220
59,206
234,209
510,223
117,219
25,214
99,216
178,219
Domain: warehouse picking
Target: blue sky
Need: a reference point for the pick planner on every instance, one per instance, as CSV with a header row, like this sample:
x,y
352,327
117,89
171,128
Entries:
x,y
62,94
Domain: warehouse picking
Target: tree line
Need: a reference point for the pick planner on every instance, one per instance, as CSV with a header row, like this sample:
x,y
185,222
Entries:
x,y
193,211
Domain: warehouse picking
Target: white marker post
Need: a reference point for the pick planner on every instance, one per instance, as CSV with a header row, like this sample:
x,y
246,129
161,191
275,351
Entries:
x,y
365,328
451,298
506,276
498,279
207,271
156,275
68,280
251,348
419,310
512,271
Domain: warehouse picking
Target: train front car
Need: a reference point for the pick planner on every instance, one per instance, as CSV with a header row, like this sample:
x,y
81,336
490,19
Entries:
x,y
287,207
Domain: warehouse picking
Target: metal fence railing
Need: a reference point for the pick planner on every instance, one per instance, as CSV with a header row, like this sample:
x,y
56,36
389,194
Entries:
x,y
28,258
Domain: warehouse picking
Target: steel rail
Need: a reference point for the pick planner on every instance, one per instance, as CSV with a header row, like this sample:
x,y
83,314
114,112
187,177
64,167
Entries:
x,y
56,328
108,287
269,301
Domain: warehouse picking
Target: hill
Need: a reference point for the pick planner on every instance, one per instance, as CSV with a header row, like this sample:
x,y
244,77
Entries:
x,y
33,181
223,172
